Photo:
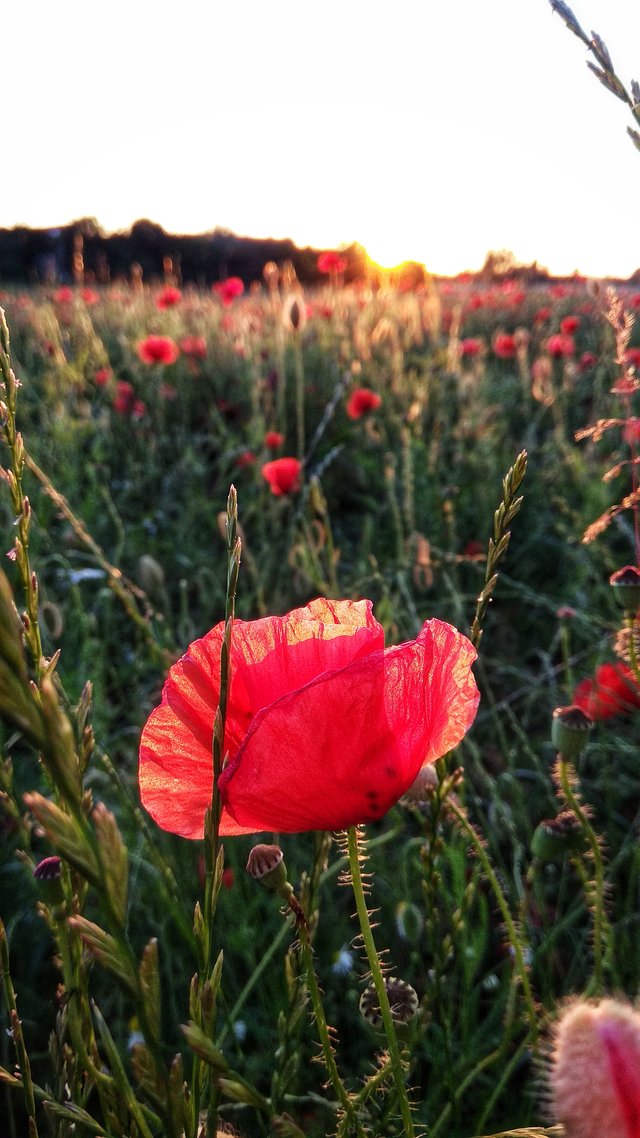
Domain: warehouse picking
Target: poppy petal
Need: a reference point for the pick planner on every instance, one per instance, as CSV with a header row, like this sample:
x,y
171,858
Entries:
x,y
343,749
269,658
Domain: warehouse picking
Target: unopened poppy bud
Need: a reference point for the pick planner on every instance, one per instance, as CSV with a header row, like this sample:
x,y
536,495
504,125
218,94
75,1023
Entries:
x,y
266,865
150,574
554,837
402,998
48,874
626,586
595,1070
569,730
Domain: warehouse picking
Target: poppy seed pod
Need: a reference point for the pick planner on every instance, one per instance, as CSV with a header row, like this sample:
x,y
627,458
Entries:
x,y
402,998
569,730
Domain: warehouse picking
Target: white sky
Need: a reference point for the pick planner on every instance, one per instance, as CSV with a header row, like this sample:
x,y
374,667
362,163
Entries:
x,y
425,129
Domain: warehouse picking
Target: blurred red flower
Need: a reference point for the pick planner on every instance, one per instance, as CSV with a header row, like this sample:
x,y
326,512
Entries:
x,y
587,361
63,295
542,315
283,475
631,430
504,346
613,691
361,401
168,392
124,398
194,346
169,297
632,357
102,376
561,346
89,296
569,324
158,350
472,346
331,263
228,290
273,440
325,728
246,458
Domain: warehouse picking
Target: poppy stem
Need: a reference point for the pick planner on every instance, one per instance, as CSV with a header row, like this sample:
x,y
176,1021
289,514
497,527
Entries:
x,y
321,1022
395,1057
594,894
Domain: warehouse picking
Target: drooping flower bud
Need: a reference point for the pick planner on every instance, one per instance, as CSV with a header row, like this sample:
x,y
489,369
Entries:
x,y
48,873
595,1070
569,730
626,586
266,865
554,837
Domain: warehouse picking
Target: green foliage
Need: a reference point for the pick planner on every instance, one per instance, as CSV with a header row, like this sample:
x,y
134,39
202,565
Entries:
x,y
163,993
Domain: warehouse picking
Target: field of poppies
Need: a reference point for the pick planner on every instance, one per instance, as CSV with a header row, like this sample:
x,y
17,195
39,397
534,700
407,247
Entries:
x,y
278,855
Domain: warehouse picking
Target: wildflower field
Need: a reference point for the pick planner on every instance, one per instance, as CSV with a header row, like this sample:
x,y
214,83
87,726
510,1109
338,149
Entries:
x,y
201,491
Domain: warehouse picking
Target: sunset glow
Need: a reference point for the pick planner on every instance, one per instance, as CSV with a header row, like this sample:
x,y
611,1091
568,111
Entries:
x,y
397,132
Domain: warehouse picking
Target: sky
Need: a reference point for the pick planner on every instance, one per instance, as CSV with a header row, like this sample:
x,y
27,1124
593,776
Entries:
x,y
425,130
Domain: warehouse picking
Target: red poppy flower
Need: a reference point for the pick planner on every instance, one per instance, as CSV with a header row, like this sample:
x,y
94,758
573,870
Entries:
x,y
246,458
542,315
124,397
569,324
631,430
632,357
587,361
472,346
561,346
102,376
325,727
283,475
63,295
89,296
228,290
504,346
331,263
613,691
361,401
273,440
194,346
169,297
158,350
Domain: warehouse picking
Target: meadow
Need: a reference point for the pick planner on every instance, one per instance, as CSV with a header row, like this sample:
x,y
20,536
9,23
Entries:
x,y
463,451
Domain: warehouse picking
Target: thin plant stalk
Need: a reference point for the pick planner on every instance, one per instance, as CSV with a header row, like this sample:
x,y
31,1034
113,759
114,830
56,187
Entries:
x,y
565,775
396,1063
323,1029
514,939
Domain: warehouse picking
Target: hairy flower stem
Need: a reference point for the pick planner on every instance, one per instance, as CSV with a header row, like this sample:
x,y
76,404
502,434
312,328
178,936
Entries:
x,y
323,1030
565,777
630,621
378,980
514,939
